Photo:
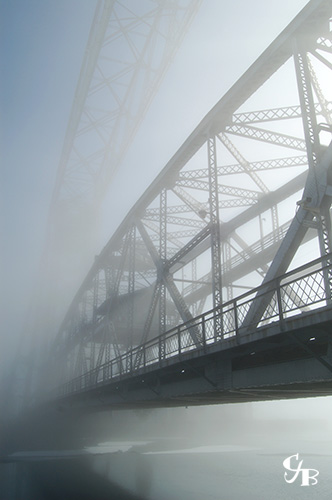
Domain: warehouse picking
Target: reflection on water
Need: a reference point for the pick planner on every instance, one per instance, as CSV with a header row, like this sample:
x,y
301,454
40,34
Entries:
x,y
217,471
174,469
179,459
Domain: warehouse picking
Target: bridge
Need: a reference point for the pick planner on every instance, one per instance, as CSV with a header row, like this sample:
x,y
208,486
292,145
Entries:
x,y
287,355
216,287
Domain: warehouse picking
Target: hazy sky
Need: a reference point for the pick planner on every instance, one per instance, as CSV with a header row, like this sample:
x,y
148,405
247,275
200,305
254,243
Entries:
x,y
42,46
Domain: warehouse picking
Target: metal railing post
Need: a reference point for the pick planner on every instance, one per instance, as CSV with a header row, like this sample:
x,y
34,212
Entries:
x,y
203,333
179,341
236,320
279,301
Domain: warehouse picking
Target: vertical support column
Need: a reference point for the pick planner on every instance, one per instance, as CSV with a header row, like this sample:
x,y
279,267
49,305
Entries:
x,y
108,355
79,370
109,280
131,289
163,257
194,279
94,318
71,359
100,357
227,262
275,222
148,322
82,319
131,284
215,232
311,134
325,222
82,312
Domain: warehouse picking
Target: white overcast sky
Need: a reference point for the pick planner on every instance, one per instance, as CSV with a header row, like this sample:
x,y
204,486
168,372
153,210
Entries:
x,y
42,46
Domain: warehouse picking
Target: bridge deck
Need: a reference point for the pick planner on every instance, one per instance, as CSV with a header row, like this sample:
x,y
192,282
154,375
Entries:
x,y
288,354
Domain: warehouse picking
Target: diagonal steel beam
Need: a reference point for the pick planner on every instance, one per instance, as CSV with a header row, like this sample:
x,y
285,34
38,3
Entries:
x,y
195,206
165,276
313,200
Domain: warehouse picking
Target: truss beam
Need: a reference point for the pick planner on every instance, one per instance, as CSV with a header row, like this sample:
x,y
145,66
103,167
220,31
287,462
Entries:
x,y
267,136
269,115
237,168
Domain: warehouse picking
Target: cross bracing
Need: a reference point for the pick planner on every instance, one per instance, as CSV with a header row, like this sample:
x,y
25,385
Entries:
x,y
164,275
269,115
236,168
130,48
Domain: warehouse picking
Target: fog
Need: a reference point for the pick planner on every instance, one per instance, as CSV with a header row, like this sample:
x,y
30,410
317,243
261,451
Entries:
x,y
42,48
228,452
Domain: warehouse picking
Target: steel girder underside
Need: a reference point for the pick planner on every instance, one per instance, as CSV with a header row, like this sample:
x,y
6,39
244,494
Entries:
x,y
220,216
283,367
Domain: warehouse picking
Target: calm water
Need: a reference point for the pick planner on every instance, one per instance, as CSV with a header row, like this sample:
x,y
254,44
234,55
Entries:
x,y
220,471
180,469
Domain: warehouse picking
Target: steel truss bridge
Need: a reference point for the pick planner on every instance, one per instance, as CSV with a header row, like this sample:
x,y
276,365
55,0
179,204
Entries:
x,y
217,285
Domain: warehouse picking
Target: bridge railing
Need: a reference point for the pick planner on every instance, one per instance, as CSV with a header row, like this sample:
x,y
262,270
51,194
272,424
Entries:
x,y
297,292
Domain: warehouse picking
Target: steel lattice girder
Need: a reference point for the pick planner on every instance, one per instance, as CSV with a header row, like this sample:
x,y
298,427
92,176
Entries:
x,y
313,22
130,48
